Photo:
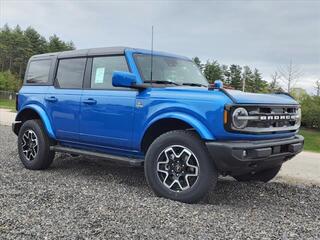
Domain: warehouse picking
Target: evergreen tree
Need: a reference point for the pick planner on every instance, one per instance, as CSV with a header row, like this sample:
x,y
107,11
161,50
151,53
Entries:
x,y
17,46
259,84
212,71
37,42
235,76
226,76
197,61
56,44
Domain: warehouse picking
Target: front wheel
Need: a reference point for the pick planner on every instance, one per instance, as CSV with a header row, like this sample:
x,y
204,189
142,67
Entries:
x,y
262,176
178,167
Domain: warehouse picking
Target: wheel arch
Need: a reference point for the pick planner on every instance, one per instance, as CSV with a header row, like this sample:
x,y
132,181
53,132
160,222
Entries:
x,y
34,112
169,122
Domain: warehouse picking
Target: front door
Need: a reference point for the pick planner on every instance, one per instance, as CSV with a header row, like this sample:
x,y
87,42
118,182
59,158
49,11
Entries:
x,y
107,112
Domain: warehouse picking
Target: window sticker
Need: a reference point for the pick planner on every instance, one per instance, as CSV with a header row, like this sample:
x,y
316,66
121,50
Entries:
x,y
99,75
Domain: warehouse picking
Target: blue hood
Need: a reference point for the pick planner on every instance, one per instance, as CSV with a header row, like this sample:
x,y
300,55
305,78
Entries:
x,y
254,98
240,97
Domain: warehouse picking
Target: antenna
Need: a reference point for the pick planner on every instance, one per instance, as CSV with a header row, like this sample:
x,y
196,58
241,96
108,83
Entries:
x,y
151,55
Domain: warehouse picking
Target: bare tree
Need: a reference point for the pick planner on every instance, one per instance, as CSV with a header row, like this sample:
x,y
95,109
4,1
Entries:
x,y
290,75
274,85
318,87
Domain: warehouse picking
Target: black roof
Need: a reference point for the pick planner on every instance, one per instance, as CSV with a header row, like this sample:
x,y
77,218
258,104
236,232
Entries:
x,y
85,52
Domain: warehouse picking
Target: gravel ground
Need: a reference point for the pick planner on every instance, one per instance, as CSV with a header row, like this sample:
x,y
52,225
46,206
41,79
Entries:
x,y
82,198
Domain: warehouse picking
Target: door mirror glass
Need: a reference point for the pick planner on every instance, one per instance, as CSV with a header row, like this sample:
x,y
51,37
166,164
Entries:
x,y
123,79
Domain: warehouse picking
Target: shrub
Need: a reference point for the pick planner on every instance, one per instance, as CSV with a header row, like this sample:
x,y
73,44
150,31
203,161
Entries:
x,y
9,81
310,106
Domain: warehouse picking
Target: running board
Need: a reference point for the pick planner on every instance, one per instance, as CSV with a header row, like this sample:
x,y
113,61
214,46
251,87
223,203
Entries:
x,y
116,158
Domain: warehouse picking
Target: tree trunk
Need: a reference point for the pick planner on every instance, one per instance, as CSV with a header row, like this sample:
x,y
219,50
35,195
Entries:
x,y
10,63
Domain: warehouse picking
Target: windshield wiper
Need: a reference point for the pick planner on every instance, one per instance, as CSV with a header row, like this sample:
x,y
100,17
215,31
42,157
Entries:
x,y
162,82
194,84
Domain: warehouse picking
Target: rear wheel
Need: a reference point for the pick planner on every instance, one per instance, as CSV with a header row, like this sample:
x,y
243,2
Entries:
x,y
262,176
178,167
34,146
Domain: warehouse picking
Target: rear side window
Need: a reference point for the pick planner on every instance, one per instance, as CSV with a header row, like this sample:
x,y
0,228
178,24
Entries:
x,y
38,71
103,68
70,73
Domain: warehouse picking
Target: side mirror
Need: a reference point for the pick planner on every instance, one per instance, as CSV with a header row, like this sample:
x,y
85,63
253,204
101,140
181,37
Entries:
x,y
123,79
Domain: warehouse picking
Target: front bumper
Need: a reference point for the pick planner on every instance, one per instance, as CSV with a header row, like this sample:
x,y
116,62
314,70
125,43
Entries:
x,y
241,157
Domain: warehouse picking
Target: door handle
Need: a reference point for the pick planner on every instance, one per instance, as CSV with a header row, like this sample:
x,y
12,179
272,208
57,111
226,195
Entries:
x,y
51,99
90,101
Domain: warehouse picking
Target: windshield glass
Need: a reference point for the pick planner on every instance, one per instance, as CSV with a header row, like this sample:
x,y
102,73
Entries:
x,y
169,69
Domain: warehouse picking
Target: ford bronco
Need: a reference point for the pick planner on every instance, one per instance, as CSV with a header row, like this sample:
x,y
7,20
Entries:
x,y
156,110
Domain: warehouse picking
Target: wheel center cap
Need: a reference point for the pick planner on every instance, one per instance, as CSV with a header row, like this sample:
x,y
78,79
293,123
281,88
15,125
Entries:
x,y
178,168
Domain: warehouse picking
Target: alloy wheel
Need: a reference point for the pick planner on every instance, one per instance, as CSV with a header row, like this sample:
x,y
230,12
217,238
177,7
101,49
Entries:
x,y
177,168
30,147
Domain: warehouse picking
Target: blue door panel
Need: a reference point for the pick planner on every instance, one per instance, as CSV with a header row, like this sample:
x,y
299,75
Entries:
x,y
64,112
107,118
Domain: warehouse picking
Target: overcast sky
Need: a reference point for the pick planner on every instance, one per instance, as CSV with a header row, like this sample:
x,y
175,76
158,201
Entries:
x,y
261,34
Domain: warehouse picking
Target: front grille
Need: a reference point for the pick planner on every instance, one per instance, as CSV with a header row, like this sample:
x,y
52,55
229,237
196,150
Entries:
x,y
262,119
276,113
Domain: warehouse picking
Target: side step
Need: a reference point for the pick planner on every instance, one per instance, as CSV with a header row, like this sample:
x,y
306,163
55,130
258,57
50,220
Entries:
x,y
115,158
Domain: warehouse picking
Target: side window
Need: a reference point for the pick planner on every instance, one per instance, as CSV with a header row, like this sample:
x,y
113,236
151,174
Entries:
x,y
70,73
38,71
103,68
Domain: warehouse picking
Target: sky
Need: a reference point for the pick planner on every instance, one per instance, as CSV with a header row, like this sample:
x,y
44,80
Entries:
x,y
263,34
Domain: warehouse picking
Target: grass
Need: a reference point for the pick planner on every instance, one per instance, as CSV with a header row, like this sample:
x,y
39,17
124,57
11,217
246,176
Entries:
x,y
311,139
8,104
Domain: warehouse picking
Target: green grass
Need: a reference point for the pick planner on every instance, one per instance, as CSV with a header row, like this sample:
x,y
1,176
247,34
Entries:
x,y
311,139
9,104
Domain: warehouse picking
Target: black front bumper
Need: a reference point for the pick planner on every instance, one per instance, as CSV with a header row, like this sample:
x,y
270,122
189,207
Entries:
x,y
240,157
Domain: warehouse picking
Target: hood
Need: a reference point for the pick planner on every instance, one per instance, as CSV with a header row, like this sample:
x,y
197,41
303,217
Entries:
x,y
254,98
236,96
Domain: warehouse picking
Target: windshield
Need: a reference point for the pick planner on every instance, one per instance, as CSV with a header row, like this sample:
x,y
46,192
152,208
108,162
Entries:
x,y
169,69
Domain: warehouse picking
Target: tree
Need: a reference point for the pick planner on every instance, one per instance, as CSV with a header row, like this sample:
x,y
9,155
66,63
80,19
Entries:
x,y
38,43
259,84
274,85
247,79
310,111
290,75
9,81
226,76
212,71
197,61
56,44
318,87
235,76
17,46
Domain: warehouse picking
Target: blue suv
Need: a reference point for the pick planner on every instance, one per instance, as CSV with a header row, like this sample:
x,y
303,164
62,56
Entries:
x,y
155,110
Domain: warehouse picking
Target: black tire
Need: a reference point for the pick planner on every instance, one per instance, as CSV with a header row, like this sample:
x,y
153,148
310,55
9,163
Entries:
x,y
262,176
35,157
187,143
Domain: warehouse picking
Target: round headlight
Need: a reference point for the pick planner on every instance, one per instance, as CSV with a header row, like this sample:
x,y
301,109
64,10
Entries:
x,y
237,121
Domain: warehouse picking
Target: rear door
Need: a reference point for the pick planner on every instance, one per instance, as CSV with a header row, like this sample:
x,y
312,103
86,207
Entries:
x,y
63,99
107,112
